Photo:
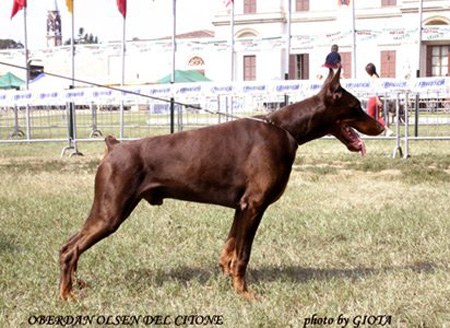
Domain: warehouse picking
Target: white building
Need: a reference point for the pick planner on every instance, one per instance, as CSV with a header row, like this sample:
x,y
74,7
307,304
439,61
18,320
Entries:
x,y
385,32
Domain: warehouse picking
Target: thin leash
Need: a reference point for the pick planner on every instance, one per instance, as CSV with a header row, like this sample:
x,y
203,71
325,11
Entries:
x,y
139,94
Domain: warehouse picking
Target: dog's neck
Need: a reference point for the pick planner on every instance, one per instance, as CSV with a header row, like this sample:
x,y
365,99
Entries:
x,y
302,120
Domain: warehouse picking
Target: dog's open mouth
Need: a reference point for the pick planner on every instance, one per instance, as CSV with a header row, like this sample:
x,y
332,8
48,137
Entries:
x,y
349,137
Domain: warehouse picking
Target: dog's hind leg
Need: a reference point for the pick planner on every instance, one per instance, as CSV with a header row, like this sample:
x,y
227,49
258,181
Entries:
x,y
68,262
102,222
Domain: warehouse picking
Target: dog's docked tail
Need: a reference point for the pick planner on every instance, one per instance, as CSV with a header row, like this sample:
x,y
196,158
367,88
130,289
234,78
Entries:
x,y
111,142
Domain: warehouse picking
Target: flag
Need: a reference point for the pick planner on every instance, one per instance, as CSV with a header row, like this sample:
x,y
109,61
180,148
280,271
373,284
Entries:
x,y
122,6
69,4
17,6
228,2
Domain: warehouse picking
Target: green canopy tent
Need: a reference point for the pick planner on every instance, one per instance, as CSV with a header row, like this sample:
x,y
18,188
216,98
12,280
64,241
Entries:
x,y
10,81
185,76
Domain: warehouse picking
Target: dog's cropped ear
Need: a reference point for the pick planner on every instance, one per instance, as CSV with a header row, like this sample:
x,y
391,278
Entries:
x,y
329,77
336,77
334,87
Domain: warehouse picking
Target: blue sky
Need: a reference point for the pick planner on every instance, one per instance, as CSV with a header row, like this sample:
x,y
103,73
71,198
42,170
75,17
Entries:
x,y
145,19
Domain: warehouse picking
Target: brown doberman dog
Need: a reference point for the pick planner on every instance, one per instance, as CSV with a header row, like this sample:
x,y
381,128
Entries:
x,y
243,164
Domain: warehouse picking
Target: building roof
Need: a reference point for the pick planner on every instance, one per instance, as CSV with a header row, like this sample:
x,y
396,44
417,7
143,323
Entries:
x,y
192,35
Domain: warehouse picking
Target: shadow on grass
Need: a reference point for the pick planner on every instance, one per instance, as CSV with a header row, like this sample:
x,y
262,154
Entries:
x,y
185,274
302,275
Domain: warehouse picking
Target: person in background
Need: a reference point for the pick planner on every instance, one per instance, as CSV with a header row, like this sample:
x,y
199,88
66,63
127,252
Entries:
x,y
375,105
333,59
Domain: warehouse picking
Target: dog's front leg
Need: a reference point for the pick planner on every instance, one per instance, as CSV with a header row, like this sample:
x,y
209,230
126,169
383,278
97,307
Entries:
x,y
246,228
228,251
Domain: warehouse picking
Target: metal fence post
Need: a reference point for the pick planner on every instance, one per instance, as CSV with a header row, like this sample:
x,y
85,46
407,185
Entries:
x,y
286,96
172,115
121,119
219,117
180,117
398,147
386,111
27,122
95,132
17,132
406,136
71,132
416,116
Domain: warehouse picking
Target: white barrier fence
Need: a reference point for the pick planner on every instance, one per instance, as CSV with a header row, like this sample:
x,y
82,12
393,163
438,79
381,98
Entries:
x,y
299,88
142,110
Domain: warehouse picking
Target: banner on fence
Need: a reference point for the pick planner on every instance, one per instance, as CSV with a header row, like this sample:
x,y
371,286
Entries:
x,y
149,93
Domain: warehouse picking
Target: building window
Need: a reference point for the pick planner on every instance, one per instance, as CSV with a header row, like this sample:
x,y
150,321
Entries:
x,y
346,61
249,6
386,3
438,60
388,60
299,67
250,68
301,5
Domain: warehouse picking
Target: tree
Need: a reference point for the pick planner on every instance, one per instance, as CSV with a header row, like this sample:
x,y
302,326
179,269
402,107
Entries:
x,y
10,44
83,38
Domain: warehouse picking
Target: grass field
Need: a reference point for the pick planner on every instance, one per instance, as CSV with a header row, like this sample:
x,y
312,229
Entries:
x,y
367,239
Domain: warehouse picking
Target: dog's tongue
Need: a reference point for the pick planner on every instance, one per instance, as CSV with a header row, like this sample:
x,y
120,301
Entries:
x,y
357,143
